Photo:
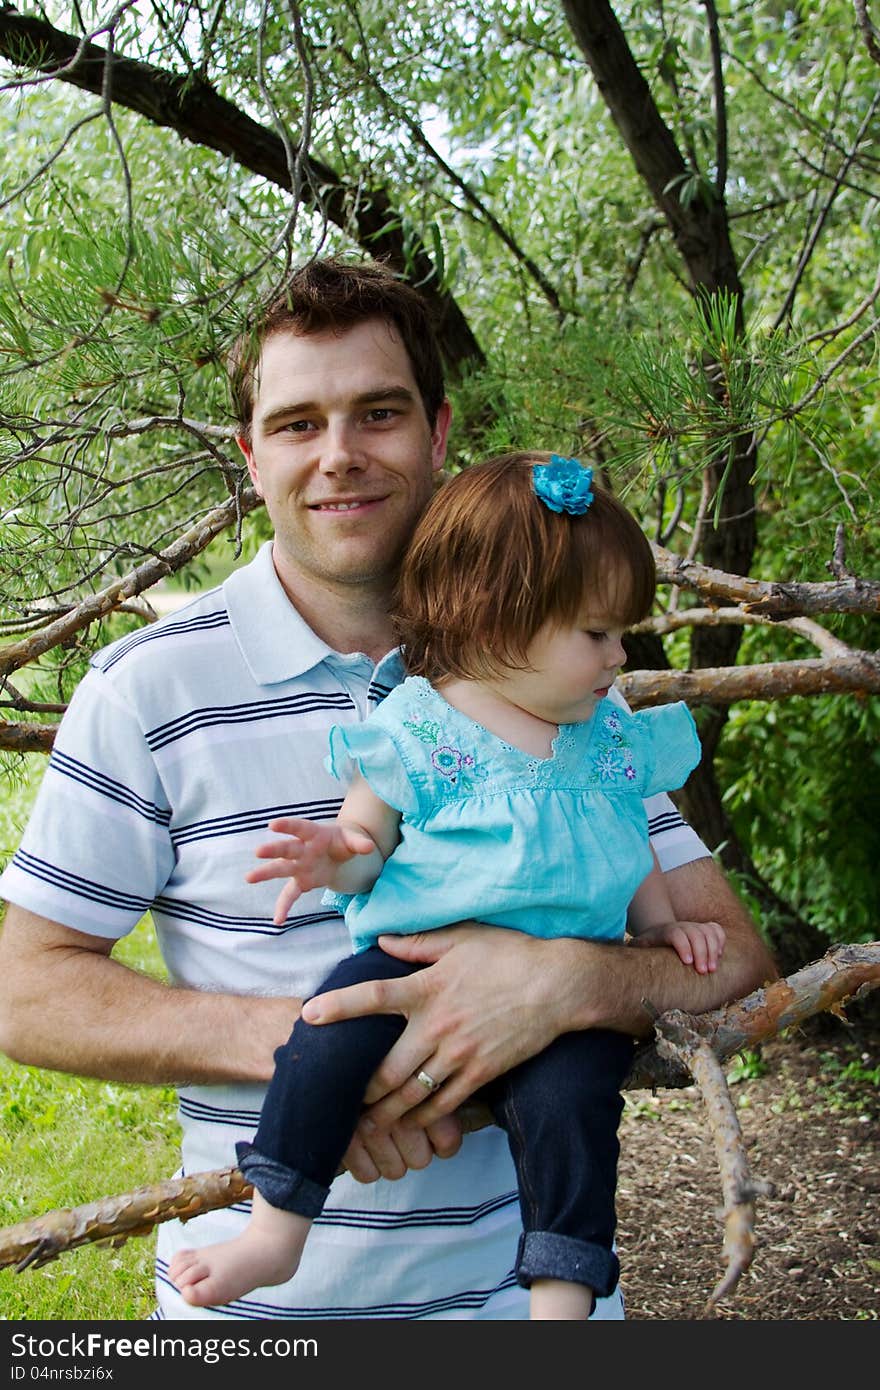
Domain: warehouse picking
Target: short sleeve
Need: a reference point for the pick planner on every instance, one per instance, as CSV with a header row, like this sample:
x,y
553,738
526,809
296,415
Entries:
x,y
672,746
371,749
97,850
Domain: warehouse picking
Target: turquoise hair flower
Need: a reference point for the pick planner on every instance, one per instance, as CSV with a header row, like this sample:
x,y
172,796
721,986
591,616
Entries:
x,y
563,485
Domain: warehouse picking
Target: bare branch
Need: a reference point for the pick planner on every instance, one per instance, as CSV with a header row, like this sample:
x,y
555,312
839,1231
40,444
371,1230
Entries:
x,y
837,563
27,738
167,561
858,673
114,1219
677,1037
827,334
815,234
720,104
824,985
665,623
869,33
724,685
769,598
636,261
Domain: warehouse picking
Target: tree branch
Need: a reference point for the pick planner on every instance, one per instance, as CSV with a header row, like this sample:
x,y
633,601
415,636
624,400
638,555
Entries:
x,y
769,598
720,104
857,674
677,1038
869,33
823,215
167,561
774,680
673,621
27,738
700,231
193,108
418,135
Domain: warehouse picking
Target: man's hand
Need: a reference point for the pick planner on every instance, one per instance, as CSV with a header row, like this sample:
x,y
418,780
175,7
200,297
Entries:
x,y
487,1000
375,1153
489,997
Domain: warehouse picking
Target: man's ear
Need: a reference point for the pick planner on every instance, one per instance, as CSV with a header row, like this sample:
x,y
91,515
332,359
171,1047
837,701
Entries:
x,y
440,435
245,446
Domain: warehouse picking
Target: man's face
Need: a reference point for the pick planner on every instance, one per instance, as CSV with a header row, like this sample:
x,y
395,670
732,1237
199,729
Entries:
x,y
342,453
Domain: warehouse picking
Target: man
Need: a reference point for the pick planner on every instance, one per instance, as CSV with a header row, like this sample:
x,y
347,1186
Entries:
x,y
186,738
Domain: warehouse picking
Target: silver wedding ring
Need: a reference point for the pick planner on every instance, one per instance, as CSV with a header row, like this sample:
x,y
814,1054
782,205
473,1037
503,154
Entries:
x,y
427,1081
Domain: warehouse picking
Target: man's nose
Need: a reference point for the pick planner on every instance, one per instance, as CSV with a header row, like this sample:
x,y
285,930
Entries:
x,y
340,453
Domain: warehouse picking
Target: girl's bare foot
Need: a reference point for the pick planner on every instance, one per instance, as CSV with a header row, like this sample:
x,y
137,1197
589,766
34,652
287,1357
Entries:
x,y
267,1252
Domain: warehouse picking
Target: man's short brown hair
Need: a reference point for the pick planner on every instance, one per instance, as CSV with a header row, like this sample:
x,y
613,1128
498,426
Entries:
x,y
332,295
489,564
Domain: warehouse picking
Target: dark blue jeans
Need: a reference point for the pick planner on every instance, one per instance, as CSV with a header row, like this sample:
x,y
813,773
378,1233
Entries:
x,y
560,1111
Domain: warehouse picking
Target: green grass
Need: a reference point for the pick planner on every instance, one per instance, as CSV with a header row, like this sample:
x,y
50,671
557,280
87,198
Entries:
x,y
65,1140
19,779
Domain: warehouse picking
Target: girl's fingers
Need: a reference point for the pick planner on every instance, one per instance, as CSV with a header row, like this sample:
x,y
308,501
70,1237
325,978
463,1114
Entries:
x,y
276,868
279,849
285,900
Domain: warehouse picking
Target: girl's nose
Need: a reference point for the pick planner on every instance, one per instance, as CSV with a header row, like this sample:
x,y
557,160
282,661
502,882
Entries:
x,y
618,651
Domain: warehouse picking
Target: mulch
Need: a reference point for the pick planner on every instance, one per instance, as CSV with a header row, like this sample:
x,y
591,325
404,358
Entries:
x,y
811,1124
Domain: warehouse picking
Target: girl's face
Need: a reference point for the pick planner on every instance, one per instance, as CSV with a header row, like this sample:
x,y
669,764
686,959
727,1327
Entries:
x,y
571,668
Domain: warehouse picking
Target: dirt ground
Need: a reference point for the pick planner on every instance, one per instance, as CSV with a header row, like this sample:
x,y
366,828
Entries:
x,y
811,1124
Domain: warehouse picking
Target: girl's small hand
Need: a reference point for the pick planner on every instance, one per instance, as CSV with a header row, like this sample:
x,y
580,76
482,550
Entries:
x,y
308,857
699,944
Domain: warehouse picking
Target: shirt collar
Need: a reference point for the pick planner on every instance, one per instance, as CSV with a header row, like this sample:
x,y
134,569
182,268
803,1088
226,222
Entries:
x,y
275,640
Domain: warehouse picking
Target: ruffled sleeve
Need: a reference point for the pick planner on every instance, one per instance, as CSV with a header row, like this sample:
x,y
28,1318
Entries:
x,y
371,749
671,747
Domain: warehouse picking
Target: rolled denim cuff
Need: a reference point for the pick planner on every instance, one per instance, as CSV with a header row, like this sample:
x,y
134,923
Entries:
x,y
545,1255
281,1187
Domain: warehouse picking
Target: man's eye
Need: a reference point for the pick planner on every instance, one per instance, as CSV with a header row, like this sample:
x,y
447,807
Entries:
x,y
381,414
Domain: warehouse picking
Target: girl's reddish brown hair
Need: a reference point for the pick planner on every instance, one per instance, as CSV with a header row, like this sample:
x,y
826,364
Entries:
x,y
489,564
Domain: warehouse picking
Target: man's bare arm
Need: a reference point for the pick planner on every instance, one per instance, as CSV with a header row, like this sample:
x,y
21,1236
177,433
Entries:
x,y
66,1005
699,892
492,997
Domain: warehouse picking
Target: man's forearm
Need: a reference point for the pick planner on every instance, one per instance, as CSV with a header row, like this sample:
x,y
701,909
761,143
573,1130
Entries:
x,y
621,987
67,1006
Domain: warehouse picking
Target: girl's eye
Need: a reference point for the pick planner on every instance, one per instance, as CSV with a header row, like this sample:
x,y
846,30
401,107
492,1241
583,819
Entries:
x,y
597,636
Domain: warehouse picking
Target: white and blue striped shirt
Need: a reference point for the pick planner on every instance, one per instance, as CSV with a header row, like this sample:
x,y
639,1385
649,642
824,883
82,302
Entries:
x,y
179,745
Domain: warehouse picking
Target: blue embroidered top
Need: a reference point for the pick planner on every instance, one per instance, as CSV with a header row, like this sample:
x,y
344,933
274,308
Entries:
x,y
551,846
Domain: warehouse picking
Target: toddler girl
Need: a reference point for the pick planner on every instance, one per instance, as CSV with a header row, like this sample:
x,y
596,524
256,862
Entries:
x,y
498,782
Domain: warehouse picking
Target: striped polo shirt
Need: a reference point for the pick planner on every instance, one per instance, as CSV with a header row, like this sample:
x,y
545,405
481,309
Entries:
x,y
179,745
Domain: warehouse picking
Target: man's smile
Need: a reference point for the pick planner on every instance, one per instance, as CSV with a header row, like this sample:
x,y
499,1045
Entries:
x,y
352,504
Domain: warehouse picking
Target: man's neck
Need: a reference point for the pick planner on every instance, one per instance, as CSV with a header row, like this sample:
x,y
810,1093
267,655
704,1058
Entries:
x,y
348,617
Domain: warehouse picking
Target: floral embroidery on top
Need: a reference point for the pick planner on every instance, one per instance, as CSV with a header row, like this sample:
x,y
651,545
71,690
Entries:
x,y
426,732
609,764
456,767
613,758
